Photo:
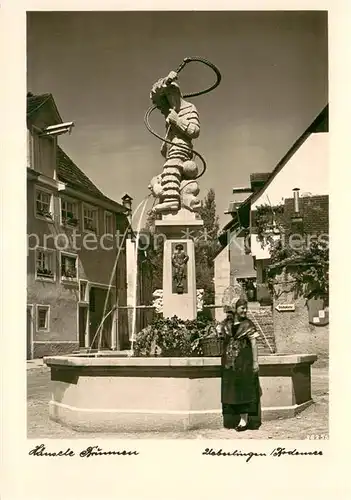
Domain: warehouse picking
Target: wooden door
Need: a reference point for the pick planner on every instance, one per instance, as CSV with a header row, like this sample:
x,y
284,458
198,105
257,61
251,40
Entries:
x,y
82,324
97,297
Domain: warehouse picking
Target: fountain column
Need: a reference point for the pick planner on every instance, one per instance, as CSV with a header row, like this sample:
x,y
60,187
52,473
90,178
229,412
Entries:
x,y
178,232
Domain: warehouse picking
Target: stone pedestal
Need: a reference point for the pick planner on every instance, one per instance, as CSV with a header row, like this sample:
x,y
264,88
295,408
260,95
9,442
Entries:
x,y
181,228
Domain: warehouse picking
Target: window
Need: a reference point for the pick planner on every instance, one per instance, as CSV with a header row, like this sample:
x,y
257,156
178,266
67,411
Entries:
x,y
69,264
69,212
43,318
44,264
43,204
108,223
83,287
90,218
44,153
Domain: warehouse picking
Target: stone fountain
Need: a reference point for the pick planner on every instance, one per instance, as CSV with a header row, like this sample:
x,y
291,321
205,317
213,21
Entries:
x,y
122,393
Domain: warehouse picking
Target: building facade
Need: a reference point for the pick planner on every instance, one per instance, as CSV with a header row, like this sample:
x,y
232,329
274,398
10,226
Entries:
x,y
305,167
75,236
301,177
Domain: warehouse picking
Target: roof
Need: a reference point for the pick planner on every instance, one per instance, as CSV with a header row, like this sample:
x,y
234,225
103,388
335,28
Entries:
x,y
73,176
259,177
319,124
314,211
35,102
69,173
67,170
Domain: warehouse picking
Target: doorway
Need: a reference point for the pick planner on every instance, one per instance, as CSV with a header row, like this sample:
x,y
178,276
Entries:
x,y
82,324
97,297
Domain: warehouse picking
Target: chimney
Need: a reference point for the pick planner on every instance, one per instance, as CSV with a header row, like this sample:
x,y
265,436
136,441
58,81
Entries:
x,y
127,202
296,192
296,218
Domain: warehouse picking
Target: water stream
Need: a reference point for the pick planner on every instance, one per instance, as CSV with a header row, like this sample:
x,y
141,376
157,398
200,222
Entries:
x,y
135,275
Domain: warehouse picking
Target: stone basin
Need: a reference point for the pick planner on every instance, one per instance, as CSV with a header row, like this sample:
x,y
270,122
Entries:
x,y
117,393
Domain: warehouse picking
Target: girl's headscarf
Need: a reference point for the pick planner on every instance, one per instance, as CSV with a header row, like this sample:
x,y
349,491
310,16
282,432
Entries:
x,y
240,302
229,309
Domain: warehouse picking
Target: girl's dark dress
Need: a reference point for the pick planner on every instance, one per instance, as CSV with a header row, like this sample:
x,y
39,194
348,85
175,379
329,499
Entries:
x,y
240,385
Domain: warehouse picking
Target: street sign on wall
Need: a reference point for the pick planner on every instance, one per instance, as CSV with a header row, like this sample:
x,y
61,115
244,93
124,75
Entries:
x,y
285,307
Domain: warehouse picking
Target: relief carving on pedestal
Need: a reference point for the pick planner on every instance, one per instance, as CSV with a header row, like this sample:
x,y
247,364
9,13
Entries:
x,y
180,260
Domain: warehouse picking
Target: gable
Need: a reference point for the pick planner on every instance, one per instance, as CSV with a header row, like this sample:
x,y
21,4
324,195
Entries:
x,y
42,111
307,169
319,126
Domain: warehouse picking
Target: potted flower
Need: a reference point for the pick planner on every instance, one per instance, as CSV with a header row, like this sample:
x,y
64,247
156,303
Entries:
x,y
69,273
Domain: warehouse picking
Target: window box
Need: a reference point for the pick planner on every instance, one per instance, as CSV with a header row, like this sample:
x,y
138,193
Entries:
x,y
70,221
44,264
44,213
89,226
69,273
44,273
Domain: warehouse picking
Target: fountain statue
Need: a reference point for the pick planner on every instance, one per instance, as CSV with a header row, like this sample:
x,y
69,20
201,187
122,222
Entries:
x,y
176,187
183,125
176,190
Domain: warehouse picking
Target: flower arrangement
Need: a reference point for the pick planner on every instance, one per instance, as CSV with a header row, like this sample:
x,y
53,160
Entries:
x,y
45,273
268,221
44,213
70,221
169,337
69,273
307,264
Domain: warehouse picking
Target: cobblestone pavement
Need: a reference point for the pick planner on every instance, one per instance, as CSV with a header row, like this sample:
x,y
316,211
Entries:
x,y
312,422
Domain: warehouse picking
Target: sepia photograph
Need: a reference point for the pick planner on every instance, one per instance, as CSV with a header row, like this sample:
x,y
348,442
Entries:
x,y
177,209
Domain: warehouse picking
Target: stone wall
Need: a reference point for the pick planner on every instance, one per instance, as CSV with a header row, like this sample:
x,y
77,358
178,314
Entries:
x,y
263,319
53,349
292,331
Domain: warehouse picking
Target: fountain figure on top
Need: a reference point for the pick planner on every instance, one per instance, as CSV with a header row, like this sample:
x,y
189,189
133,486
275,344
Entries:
x,y
176,187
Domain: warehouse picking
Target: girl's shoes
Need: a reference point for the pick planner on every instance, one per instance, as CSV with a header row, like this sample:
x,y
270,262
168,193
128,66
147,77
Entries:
x,y
241,428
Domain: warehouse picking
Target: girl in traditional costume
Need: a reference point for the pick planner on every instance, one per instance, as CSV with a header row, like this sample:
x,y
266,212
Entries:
x,y
240,386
